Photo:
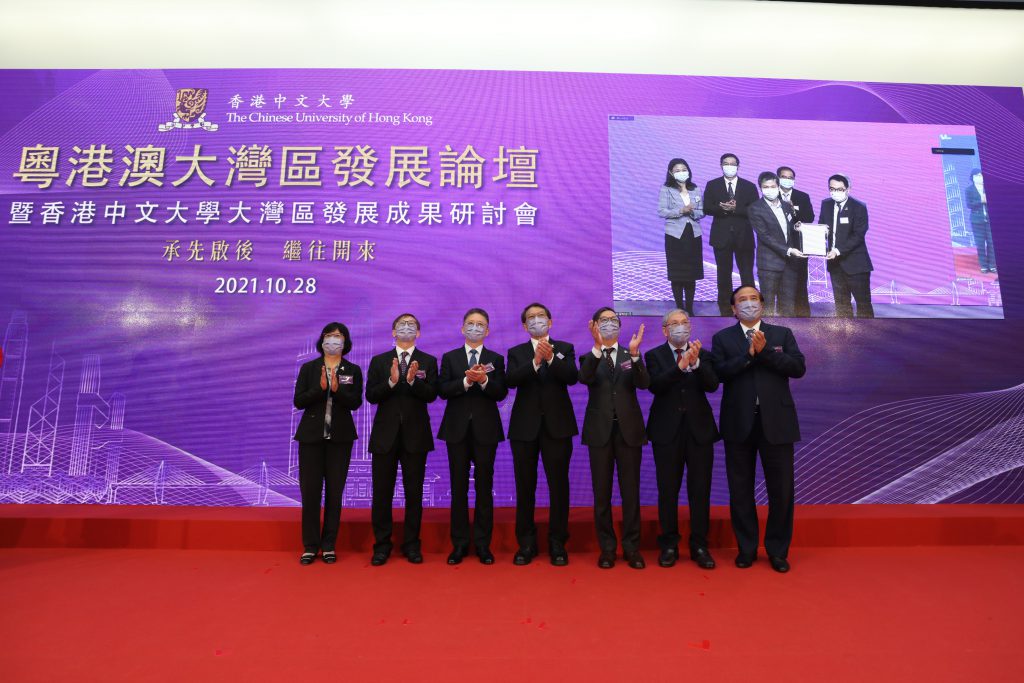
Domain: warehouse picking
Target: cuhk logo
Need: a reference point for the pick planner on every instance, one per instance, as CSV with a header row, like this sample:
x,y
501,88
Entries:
x,y
189,111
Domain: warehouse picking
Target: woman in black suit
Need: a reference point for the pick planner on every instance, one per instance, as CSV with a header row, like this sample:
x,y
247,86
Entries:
x,y
327,390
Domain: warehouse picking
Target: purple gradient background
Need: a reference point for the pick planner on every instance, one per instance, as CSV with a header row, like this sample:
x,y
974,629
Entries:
x,y
213,375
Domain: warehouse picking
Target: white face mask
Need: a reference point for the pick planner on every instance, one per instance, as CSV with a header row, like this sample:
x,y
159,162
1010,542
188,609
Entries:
x,y
838,196
787,183
681,176
730,171
770,193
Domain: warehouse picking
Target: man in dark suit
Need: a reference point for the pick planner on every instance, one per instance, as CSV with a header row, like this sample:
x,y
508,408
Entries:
x,y
401,383
777,258
473,382
803,212
755,361
727,199
683,433
849,266
542,422
613,431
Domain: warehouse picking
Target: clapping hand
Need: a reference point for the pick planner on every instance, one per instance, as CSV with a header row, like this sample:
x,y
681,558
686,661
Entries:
x,y
634,342
323,377
394,371
410,376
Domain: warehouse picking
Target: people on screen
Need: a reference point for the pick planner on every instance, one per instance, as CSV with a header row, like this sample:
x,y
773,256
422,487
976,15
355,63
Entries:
x,y
977,203
755,361
683,433
778,259
472,382
400,382
803,212
327,390
848,262
680,204
726,199
543,425
613,432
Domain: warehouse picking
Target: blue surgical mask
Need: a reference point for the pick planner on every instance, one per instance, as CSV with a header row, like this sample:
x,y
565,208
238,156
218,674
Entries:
x,y
770,193
332,345
679,334
749,310
730,171
787,183
405,332
609,328
474,332
538,325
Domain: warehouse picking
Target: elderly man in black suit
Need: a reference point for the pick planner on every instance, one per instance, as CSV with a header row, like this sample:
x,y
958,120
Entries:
x,y
683,433
613,431
542,424
400,382
755,362
473,383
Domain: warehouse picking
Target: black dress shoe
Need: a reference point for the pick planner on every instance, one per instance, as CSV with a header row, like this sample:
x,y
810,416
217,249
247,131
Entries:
x,y
606,560
559,557
779,564
745,561
414,557
703,558
307,557
523,556
634,558
668,557
455,557
485,555
378,559
329,557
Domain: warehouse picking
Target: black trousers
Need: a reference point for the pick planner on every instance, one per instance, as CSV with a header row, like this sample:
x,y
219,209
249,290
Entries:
x,y
616,455
683,292
777,463
323,469
723,263
803,304
779,290
384,470
555,455
461,454
671,461
858,286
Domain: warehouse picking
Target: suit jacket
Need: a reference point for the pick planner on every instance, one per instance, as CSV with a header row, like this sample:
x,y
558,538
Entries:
x,y
772,243
680,397
542,399
611,395
849,235
312,401
477,406
402,407
730,229
764,377
670,207
978,208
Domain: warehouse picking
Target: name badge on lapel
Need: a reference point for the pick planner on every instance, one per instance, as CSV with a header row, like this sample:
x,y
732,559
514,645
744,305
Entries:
x,y
796,208
489,367
844,219
626,365
421,374
559,356
777,349
345,379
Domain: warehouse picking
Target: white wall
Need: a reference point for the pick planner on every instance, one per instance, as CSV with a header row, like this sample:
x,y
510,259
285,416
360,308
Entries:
x,y
717,37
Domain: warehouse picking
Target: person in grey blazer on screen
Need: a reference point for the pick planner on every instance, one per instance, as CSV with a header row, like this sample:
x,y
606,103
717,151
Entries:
x,y
681,206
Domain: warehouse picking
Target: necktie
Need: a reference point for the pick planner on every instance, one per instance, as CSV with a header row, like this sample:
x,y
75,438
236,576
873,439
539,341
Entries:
x,y
472,357
732,193
679,355
403,366
608,359
750,335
